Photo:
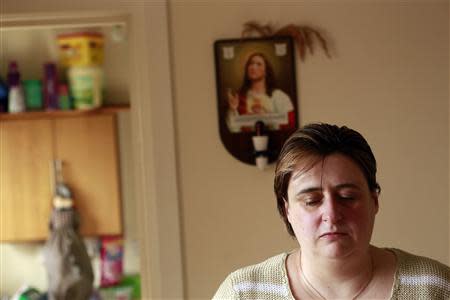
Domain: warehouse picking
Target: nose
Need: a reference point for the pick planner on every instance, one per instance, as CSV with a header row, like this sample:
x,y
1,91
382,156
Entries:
x,y
331,210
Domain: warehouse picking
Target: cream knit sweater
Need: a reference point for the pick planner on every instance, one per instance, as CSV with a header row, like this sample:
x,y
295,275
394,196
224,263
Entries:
x,y
416,278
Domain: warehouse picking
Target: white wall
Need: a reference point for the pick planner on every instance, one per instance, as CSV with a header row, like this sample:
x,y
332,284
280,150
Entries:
x,y
388,78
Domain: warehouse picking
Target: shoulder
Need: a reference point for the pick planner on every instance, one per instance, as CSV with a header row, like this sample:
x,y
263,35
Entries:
x,y
260,281
410,264
270,269
420,277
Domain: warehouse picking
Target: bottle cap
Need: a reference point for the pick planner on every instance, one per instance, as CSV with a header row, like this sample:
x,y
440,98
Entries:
x,y
13,74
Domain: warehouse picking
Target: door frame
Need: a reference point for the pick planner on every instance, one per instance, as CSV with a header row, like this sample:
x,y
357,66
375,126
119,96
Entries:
x,y
152,128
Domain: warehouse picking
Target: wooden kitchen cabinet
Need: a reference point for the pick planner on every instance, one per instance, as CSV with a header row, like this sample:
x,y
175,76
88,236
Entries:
x,y
87,145
25,154
88,148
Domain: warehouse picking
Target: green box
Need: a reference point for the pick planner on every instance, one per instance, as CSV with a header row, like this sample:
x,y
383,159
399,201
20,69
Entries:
x,y
128,289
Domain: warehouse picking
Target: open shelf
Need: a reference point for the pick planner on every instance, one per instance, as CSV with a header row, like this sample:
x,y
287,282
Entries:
x,y
62,113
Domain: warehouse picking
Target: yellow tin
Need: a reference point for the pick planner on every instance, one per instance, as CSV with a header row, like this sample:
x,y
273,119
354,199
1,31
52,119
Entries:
x,y
81,49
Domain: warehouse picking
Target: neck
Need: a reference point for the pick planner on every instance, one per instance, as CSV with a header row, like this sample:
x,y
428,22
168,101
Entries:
x,y
336,278
259,86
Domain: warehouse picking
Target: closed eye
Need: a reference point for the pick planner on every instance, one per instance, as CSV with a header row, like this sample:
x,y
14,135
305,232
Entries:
x,y
347,198
312,202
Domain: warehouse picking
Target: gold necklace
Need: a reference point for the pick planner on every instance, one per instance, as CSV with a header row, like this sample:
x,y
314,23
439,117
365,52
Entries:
x,y
311,287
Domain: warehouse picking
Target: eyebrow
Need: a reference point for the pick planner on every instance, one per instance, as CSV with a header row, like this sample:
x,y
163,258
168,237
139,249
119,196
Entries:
x,y
309,190
348,185
318,189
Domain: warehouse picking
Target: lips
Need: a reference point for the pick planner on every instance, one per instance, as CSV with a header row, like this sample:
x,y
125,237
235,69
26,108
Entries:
x,y
333,234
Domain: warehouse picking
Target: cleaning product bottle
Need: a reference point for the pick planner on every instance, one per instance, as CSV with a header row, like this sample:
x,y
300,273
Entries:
x,y
3,96
50,86
63,97
16,98
33,94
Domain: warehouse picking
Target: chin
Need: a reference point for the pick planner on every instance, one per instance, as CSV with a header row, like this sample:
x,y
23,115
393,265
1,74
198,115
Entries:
x,y
337,250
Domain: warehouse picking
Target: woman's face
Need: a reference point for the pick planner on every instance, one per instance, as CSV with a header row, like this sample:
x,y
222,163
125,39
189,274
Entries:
x,y
256,69
331,208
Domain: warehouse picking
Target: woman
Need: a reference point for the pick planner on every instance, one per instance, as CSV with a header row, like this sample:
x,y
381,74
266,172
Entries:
x,y
327,194
258,94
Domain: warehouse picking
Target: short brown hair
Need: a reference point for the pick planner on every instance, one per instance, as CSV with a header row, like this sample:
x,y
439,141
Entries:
x,y
314,142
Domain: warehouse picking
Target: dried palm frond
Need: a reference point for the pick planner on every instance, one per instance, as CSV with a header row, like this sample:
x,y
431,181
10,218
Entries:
x,y
303,36
253,26
299,37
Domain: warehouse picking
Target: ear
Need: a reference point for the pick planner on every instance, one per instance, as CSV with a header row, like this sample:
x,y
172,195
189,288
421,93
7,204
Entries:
x,y
286,209
375,199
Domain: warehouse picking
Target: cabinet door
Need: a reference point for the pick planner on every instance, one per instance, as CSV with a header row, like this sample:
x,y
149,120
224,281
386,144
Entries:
x,y
87,146
25,179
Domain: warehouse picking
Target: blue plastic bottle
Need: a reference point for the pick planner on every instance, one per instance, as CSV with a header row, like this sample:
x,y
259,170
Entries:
x,y
3,96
